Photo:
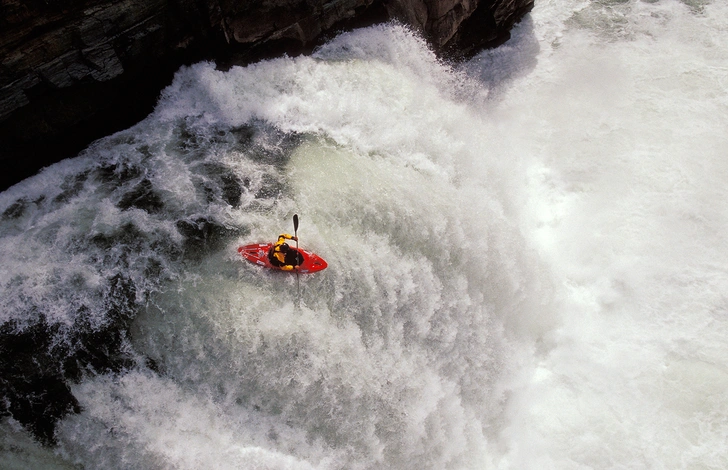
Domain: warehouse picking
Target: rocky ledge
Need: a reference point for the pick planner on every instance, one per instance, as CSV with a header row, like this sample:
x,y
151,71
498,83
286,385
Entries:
x,y
73,71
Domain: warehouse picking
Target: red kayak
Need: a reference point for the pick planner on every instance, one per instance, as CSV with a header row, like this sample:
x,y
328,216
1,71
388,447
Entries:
x,y
307,262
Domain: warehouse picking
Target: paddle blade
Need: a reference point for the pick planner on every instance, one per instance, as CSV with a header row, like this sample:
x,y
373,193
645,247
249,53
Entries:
x,y
295,222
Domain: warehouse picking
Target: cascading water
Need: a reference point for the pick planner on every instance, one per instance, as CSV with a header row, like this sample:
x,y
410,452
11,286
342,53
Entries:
x,y
526,260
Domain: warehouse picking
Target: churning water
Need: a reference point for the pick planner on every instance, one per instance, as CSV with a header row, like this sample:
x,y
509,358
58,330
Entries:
x,y
528,260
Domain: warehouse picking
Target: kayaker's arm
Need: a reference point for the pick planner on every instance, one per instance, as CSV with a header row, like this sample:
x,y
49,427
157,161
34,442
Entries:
x,y
285,236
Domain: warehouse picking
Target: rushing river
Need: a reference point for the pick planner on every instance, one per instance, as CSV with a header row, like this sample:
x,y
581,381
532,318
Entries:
x,y
528,260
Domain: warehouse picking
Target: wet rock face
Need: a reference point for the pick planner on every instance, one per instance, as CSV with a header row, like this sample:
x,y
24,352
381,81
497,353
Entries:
x,y
74,71
39,361
301,22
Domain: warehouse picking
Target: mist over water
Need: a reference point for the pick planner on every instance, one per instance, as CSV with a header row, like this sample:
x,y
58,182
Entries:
x,y
626,183
527,263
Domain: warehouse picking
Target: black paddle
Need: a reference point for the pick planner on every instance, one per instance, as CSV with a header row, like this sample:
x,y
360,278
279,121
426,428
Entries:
x,y
295,229
298,283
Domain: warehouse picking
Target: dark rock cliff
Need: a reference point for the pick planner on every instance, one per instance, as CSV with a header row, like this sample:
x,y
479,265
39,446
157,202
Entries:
x,y
73,71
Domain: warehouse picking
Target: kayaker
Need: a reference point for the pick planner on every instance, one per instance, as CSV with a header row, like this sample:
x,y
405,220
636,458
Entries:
x,y
280,254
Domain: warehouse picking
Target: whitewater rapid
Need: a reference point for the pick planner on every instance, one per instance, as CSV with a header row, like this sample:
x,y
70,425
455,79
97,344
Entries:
x,y
527,259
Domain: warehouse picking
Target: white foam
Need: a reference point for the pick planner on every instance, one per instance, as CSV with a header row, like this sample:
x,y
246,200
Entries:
x,y
628,164
140,420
